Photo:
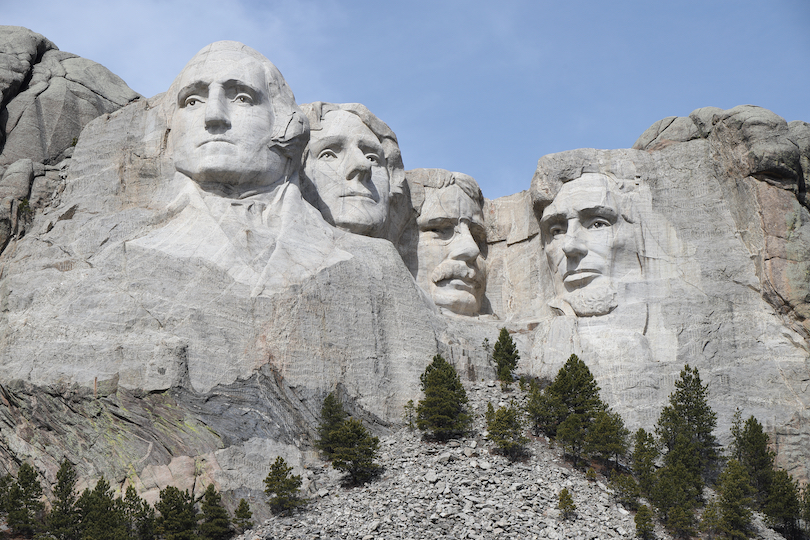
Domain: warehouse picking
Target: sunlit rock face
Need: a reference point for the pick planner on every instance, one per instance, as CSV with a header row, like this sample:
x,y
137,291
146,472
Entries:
x,y
452,244
204,269
181,264
353,170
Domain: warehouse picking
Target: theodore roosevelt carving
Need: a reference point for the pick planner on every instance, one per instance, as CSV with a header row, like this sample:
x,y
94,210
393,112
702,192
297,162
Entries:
x,y
352,167
452,248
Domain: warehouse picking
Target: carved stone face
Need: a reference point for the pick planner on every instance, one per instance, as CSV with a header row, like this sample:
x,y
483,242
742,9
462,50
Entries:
x,y
582,234
222,127
452,249
347,165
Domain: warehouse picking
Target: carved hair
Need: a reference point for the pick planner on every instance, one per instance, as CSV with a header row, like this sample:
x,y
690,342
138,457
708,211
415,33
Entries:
x,y
316,112
290,130
421,179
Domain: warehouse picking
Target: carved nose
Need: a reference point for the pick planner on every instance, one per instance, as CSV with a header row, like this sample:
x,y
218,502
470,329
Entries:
x,y
358,167
464,247
573,246
216,112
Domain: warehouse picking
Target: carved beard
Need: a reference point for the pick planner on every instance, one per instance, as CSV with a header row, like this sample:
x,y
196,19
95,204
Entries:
x,y
598,298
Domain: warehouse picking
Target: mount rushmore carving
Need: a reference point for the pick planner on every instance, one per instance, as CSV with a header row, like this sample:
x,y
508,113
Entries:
x,y
221,258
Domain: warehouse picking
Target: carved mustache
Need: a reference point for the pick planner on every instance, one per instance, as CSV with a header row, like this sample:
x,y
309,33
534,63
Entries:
x,y
456,270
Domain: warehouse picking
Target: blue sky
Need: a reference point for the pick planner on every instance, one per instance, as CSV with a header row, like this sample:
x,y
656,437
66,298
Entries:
x,y
484,88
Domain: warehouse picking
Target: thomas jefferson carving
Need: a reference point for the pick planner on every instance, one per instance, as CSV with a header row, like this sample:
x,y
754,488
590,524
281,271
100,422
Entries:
x,y
352,167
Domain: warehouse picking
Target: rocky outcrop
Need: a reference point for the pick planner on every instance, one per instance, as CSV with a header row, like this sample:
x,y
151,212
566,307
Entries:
x,y
162,323
48,96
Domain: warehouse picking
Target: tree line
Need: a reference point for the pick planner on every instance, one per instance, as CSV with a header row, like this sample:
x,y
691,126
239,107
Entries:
x,y
97,514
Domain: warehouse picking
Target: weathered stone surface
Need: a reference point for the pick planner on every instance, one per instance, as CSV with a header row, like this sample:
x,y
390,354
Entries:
x,y
451,246
171,282
49,96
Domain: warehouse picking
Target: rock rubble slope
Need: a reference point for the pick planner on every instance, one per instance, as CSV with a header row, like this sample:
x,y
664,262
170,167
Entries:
x,y
459,490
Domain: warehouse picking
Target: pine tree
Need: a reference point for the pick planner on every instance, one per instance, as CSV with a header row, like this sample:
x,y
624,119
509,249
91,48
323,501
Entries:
x,y
571,433
442,412
565,504
355,451
332,415
688,413
678,488
241,518
546,411
283,487
505,356
783,505
573,391
178,518
645,528
645,453
102,517
626,489
63,521
5,486
24,504
216,523
710,520
506,430
750,447
140,517
734,500
607,437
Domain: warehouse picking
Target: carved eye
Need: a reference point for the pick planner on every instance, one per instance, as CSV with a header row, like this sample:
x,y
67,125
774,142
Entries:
x,y
599,224
374,159
556,230
191,101
327,155
443,233
244,98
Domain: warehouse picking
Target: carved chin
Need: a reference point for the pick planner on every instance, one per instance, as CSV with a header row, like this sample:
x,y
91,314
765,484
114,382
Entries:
x,y
598,298
459,302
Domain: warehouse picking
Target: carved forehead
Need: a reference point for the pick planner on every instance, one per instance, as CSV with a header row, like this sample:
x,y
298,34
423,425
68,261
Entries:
x,y
343,124
450,202
589,191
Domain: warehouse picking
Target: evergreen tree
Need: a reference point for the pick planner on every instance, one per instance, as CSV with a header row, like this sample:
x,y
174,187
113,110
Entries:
x,y
573,391
140,517
506,356
607,437
710,520
734,500
626,489
24,503
283,487
5,486
102,517
332,415
645,453
506,430
565,504
177,519
678,488
241,518
63,521
688,413
442,411
750,447
571,433
216,523
783,505
645,528
355,451
546,411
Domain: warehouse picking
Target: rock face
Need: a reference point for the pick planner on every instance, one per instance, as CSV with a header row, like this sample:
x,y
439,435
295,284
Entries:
x,y
176,309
